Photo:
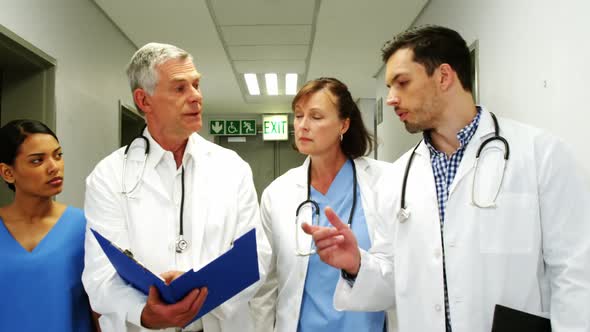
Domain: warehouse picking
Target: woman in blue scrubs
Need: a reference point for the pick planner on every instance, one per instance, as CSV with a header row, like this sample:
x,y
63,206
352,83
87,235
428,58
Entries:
x,y
298,293
41,240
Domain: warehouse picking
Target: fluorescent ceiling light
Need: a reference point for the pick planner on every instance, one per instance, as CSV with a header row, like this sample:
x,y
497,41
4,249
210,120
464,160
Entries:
x,y
272,85
252,83
291,84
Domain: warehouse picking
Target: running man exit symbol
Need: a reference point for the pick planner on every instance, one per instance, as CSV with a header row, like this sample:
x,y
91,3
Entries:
x,y
248,127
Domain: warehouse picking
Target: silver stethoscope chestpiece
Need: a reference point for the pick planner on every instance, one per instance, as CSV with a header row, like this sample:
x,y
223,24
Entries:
x,y
181,245
403,215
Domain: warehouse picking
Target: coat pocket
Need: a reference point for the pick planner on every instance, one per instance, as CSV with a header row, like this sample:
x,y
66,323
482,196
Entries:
x,y
511,226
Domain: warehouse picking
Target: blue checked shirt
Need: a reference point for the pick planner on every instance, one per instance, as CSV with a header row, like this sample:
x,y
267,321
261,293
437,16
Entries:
x,y
445,170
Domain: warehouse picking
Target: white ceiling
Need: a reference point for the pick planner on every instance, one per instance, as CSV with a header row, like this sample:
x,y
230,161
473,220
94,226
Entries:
x,y
338,38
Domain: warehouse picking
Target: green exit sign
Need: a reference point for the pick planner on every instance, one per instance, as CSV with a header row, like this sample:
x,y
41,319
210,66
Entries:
x,y
275,127
232,127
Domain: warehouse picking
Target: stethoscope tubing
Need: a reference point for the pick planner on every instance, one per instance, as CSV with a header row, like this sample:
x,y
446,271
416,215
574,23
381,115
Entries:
x,y
181,243
315,204
316,207
404,213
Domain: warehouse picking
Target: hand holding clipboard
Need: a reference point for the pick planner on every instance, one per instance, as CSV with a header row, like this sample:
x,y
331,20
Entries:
x,y
224,277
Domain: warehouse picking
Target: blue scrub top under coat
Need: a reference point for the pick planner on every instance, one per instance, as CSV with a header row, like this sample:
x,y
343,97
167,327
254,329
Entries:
x,y
42,290
317,308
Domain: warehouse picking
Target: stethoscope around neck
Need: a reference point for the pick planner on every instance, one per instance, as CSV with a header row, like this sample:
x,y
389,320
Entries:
x,y
403,213
181,244
315,207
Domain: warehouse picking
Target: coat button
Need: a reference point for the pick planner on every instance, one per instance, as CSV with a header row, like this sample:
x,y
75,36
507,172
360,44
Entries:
x,y
438,307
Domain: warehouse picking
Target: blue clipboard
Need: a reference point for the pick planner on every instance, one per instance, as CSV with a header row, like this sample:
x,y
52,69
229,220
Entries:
x,y
224,277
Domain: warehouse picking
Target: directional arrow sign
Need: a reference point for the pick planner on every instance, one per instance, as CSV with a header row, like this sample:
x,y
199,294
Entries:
x,y
217,127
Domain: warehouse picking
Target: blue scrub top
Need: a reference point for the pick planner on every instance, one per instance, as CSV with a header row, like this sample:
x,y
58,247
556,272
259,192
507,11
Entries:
x,y
42,290
317,308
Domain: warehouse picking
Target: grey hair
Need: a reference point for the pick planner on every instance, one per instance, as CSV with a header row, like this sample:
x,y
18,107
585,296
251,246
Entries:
x,y
141,70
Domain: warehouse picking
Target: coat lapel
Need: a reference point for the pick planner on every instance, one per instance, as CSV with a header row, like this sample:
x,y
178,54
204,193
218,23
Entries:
x,y
300,178
301,187
484,130
150,178
365,176
200,197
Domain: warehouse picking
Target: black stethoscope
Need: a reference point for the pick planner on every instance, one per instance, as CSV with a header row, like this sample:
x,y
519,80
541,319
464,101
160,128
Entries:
x,y
181,244
404,213
316,208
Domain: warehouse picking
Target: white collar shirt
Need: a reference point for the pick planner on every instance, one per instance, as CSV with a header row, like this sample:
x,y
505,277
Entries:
x,y
171,179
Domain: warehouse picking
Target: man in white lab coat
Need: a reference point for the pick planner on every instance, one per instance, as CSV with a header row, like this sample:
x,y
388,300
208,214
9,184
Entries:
x,y
471,234
177,210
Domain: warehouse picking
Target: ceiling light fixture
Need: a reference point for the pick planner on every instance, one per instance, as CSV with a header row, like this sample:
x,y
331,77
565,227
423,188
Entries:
x,y
272,85
252,84
290,84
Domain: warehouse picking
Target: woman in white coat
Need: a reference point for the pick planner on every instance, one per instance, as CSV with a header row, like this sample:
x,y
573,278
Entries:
x,y
298,293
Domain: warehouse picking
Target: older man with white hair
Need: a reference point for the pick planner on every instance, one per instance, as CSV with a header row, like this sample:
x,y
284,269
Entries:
x,y
190,199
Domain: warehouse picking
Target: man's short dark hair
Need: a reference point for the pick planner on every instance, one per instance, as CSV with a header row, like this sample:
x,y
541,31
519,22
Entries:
x,y
432,46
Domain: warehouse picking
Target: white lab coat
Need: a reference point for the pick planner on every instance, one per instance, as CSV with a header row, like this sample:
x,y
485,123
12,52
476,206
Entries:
x,y
280,297
224,206
530,253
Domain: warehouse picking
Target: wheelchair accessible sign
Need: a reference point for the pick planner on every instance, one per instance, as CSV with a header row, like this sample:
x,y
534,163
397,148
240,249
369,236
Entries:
x,y
232,127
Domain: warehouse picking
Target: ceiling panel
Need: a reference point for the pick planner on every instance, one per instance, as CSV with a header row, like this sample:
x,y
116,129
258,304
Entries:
x,y
264,52
266,34
348,36
187,24
271,99
256,12
270,66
